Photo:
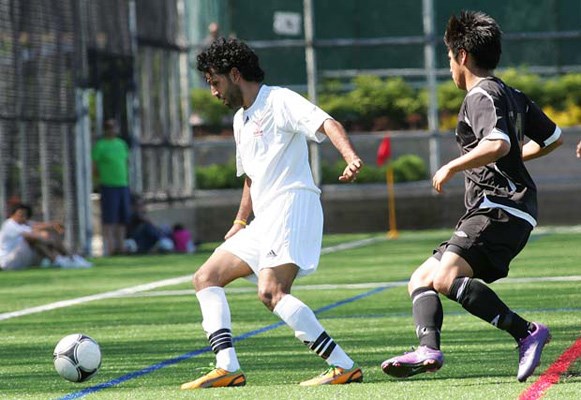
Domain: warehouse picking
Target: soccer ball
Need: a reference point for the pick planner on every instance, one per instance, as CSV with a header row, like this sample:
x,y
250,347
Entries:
x,y
77,357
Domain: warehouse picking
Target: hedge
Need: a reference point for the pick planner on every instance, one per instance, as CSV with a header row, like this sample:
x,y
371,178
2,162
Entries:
x,y
376,104
218,176
406,168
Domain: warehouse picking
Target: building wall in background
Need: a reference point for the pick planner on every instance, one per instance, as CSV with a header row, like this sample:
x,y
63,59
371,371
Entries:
x,y
363,208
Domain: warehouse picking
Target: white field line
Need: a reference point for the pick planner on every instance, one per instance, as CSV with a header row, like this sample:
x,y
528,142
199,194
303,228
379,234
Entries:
x,y
94,297
139,289
368,285
153,285
543,230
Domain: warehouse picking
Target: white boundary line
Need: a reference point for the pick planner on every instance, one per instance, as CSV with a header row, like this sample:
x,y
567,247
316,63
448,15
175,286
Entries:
x,y
368,285
139,289
153,285
94,297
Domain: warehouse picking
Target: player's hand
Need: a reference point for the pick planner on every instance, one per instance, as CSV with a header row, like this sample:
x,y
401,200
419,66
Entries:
x,y
234,230
351,171
443,175
578,150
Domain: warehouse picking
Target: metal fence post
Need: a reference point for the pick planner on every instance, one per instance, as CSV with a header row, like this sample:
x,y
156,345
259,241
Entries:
x,y
311,64
430,66
83,176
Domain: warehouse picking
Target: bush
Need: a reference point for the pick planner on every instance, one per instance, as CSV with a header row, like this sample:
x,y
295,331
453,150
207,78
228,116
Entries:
x,y
570,116
392,97
409,168
340,106
369,174
559,97
563,92
376,104
209,108
450,98
526,82
218,176
372,97
406,168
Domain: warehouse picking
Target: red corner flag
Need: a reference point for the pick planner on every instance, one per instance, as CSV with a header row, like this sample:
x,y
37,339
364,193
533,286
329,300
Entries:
x,y
384,151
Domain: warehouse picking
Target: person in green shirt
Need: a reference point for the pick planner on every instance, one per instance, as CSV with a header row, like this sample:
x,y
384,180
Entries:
x,y
110,169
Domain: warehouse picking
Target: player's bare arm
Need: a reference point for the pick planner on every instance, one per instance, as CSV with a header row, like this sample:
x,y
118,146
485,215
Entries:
x,y
33,237
486,152
578,150
532,150
54,225
243,211
336,133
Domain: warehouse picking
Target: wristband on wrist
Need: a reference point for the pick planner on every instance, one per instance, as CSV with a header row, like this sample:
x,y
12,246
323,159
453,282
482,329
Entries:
x,y
240,222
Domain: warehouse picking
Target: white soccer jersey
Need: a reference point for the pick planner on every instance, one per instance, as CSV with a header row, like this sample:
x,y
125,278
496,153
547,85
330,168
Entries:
x,y
11,236
271,143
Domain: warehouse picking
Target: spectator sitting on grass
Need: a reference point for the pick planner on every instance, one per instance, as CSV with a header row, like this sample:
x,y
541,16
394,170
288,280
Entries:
x,y
182,239
24,244
143,236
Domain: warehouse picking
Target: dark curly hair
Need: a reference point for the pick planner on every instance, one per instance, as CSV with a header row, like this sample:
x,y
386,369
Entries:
x,y
478,34
225,54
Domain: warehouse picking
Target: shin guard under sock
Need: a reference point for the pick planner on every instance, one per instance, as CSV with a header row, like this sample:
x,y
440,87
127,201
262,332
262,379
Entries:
x,y
428,316
479,300
302,320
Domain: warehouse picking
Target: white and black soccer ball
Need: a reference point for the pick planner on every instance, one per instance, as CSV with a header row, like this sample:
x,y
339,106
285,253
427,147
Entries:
x,y
77,357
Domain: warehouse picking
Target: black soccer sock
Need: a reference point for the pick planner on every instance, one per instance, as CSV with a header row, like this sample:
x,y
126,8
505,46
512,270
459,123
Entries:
x,y
428,316
481,301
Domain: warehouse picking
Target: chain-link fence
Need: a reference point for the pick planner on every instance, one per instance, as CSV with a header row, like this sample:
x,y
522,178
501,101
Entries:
x,y
65,66
37,109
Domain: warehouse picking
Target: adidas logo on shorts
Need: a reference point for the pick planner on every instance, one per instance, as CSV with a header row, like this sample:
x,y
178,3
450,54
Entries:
x,y
271,253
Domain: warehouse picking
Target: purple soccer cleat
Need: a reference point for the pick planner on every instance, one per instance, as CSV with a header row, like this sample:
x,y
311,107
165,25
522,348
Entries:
x,y
530,349
423,359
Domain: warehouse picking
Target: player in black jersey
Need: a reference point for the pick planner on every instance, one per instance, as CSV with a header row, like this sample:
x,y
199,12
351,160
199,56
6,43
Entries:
x,y
500,200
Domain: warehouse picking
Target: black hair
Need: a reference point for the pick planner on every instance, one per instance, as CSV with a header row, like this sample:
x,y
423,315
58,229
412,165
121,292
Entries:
x,y
21,206
225,54
478,34
110,123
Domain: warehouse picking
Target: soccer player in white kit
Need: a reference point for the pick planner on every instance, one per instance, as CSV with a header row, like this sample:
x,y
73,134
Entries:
x,y
283,241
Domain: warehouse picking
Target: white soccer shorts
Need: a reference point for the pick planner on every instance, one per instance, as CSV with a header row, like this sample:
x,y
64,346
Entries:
x,y
289,231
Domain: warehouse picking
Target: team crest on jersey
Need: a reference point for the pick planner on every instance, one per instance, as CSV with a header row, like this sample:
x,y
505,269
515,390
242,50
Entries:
x,y
257,127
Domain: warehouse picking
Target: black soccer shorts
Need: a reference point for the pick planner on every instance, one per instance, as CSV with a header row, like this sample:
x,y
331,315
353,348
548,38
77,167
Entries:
x,y
488,239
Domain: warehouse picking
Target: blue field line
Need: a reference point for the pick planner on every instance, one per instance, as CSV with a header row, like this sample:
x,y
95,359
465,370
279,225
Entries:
x,y
195,353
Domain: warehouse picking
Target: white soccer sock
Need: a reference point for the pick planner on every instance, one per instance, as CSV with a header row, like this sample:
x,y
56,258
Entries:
x,y
300,318
217,325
